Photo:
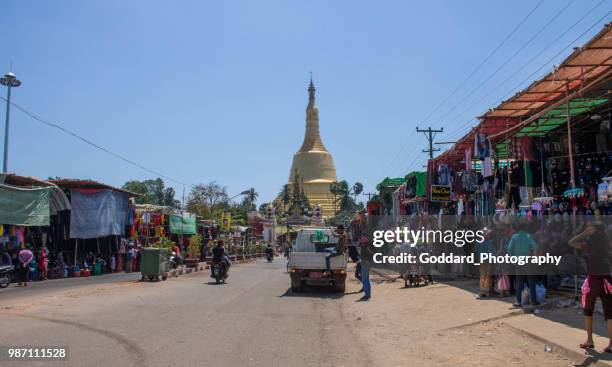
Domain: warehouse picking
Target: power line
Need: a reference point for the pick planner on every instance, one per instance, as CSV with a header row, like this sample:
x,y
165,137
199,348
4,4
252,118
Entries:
x,y
499,46
486,59
477,88
95,145
499,85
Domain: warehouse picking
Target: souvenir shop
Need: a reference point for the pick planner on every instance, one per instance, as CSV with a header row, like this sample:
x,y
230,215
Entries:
x,y
73,227
548,149
147,224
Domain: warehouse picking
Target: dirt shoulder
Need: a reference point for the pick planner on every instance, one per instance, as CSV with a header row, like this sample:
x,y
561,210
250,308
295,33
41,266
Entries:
x,y
444,324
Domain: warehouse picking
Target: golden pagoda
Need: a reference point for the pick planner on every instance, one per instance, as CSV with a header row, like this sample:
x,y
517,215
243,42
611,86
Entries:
x,y
313,164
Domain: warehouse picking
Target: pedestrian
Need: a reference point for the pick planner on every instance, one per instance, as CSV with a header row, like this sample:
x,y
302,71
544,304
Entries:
x,y
131,254
43,263
522,244
24,257
486,268
594,243
353,253
367,254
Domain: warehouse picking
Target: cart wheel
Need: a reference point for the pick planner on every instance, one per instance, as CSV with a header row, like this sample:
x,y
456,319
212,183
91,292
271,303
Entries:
x,y
164,277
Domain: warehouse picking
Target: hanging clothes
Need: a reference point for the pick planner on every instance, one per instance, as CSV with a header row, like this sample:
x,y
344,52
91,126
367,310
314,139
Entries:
x,y
444,175
487,167
482,146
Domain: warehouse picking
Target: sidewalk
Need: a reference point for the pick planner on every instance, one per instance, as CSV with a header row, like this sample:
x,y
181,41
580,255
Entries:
x,y
448,319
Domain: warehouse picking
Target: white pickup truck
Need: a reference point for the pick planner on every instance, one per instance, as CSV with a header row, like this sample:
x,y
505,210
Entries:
x,y
307,264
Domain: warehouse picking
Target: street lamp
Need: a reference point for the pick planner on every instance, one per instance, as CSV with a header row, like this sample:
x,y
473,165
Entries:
x,y
10,80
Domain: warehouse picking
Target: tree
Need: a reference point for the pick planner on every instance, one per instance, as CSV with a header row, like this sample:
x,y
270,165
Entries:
x,y
152,192
285,195
207,200
357,189
344,196
251,198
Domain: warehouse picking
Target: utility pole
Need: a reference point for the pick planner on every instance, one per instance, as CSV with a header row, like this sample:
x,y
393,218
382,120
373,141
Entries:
x,y
430,134
369,194
11,81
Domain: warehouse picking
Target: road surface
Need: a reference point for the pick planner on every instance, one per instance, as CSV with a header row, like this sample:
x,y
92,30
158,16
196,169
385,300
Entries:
x,y
255,320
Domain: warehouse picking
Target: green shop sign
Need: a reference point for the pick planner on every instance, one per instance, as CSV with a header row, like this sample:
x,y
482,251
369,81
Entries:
x,y
182,225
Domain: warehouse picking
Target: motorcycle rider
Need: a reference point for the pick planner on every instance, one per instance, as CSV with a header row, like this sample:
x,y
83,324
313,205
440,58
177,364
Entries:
x,y
269,251
220,255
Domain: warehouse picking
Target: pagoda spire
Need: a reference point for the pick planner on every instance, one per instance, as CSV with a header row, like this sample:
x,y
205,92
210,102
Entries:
x,y
312,136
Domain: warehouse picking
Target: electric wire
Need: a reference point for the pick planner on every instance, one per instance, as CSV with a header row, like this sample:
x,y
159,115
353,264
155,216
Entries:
x,y
95,145
499,46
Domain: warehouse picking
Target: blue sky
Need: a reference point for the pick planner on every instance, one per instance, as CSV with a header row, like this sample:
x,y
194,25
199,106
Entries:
x,y
216,90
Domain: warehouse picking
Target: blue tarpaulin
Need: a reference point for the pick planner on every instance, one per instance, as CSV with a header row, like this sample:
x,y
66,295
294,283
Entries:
x,y
97,213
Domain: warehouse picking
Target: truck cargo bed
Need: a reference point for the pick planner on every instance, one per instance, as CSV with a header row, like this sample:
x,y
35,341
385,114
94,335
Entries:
x,y
315,260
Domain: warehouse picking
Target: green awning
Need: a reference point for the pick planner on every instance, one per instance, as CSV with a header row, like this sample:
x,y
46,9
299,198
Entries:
x,y
421,182
182,225
558,116
390,182
552,120
24,206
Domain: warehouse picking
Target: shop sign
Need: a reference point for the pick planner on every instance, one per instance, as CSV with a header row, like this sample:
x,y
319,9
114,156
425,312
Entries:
x,y
440,193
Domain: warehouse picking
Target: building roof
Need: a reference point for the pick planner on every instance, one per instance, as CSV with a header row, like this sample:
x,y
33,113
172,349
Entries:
x,y
70,183
586,63
24,181
540,108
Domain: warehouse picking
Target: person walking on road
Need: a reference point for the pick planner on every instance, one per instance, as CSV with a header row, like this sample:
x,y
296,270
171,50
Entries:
x,y
367,254
522,244
353,253
24,257
594,243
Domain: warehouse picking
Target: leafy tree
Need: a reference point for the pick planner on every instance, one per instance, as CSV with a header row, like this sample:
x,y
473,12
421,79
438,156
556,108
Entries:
x,y
152,192
285,195
207,200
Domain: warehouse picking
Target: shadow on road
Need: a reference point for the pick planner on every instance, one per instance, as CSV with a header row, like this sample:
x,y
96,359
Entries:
x,y
312,292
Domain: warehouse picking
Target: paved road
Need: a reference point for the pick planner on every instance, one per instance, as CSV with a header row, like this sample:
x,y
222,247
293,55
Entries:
x,y
254,320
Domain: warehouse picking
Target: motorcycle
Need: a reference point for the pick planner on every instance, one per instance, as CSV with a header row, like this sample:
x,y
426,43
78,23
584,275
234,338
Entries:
x,y
269,257
218,272
6,274
174,260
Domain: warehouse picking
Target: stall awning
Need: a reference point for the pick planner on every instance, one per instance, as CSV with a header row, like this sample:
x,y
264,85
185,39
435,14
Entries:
x,y
586,66
586,63
24,206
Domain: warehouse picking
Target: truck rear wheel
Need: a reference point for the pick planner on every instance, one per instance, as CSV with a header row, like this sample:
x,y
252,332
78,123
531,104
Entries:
x,y
296,285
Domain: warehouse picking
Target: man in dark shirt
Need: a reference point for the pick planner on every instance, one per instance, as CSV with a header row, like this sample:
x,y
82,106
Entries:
x,y
219,255
367,254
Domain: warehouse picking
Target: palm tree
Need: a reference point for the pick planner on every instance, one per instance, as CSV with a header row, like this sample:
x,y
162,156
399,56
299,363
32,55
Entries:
x,y
251,197
285,195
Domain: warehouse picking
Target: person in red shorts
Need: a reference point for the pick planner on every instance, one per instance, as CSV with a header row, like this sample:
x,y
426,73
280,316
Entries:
x,y
595,245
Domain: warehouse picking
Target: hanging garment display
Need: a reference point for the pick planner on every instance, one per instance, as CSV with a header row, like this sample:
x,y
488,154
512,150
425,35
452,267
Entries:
x,y
482,146
487,167
444,175
470,181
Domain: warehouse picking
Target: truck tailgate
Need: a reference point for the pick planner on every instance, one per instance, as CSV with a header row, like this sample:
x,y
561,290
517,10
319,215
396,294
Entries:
x,y
315,260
